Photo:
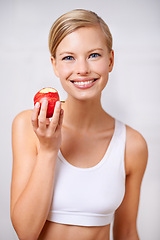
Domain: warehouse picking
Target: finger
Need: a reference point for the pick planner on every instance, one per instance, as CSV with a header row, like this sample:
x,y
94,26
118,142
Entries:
x,y
34,117
60,119
56,115
48,121
42,115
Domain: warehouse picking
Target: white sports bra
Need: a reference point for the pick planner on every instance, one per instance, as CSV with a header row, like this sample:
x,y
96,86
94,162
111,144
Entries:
x,y
90,196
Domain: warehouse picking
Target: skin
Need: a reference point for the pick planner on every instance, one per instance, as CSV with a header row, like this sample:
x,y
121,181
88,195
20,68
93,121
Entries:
x,y
85,125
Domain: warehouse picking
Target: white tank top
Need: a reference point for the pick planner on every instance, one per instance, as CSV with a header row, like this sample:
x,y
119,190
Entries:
x,y
90,196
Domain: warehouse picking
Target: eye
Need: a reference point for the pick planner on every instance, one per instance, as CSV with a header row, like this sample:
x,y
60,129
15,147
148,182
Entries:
x,y
94,55
67,58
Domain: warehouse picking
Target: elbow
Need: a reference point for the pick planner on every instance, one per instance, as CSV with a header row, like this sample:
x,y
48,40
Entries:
x,y
22,235
23,232
126,235
125,232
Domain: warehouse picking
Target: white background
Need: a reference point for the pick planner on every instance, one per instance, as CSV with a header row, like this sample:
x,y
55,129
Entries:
x,y
132,94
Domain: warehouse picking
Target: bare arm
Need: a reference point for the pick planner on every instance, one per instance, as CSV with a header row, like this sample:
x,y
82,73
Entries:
x,y
126,215
34,158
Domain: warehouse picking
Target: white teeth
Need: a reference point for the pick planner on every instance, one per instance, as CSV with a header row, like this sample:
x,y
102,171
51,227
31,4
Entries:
x,y
83,83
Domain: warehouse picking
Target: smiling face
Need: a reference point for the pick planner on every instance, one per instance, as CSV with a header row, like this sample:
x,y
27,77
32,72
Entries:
x,y
83,63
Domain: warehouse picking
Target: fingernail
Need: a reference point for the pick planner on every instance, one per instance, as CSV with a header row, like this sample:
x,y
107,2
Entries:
x,y
45,102
37,105
58,104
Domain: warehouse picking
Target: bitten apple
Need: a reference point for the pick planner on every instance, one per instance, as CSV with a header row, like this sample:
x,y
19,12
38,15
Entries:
x,y
52,97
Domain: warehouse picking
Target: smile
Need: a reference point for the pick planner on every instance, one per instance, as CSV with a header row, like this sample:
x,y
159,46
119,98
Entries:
x,y
83,83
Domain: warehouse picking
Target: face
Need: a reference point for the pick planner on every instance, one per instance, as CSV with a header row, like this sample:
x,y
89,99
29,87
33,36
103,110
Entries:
x,y
83,63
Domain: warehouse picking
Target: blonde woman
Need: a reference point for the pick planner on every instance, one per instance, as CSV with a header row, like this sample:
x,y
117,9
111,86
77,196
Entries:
x,y
74,175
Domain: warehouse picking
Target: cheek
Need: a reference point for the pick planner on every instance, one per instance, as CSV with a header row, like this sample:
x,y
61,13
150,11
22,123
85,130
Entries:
x,y
102,68
63,71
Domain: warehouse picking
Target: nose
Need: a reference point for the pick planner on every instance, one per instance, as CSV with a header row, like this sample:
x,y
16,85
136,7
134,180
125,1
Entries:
x,y
82,67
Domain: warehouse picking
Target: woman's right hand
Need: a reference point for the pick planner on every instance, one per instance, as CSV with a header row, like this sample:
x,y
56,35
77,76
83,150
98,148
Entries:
x,y
48,131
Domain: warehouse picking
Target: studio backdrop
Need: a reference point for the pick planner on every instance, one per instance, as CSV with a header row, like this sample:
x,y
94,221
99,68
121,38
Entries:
x,y
132,94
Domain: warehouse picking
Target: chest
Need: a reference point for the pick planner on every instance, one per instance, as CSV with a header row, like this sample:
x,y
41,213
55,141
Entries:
x,y
85,150
98,189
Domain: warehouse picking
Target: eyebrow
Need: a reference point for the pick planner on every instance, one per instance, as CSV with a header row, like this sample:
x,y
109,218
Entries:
x,y
92,50
95,49
66,53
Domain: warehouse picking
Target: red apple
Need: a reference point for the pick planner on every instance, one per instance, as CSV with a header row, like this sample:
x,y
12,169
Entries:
x,y
52,97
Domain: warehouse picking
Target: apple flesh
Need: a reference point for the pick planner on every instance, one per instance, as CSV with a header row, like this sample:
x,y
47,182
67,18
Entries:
x,y
51,95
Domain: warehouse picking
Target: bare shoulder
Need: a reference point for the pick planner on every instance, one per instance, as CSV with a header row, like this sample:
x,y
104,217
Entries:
x,y
136,151
22,119
22,130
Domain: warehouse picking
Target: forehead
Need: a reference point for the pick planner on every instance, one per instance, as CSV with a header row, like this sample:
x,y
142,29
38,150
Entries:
x,y
83,38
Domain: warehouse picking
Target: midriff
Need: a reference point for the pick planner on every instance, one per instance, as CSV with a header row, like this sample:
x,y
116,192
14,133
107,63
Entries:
x,y
56,231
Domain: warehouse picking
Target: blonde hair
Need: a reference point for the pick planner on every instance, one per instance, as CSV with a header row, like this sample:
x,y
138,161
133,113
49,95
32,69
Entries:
x,y
73,20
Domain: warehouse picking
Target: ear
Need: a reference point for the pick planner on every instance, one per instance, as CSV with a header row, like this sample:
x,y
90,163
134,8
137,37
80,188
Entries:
x,y
111,60
53,61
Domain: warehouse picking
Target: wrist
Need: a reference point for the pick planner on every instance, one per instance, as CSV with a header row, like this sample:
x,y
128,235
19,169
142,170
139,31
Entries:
x,y
45,153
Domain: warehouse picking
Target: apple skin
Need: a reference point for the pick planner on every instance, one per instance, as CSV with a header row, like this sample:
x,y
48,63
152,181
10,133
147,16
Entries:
x,y
52,97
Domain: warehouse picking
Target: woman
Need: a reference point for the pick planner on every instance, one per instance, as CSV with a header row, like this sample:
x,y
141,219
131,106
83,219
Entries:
x,y
73,174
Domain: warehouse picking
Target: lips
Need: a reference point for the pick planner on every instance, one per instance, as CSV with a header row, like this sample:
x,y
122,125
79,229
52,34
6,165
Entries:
x,y
84,83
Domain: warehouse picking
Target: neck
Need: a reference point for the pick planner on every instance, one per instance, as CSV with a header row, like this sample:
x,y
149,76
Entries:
x,y
83,115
